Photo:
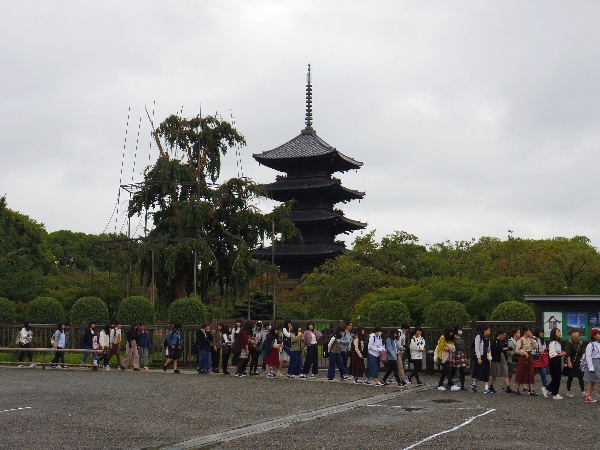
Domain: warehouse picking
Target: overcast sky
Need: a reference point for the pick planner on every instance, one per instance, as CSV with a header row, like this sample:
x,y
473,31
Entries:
x,y
471,118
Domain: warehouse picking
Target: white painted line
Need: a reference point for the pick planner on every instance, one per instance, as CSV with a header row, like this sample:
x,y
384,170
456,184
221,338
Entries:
x,y
466,422
15,409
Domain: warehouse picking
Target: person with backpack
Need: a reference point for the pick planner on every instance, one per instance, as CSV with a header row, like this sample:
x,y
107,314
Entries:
x,y
335,357
24,338
459,359
591,364
346,343
357,356
246,342
481,360
115,345
295,365
403,350
393,358
131,348
60,342
498,350
270,351
555,354
87,343
144,344
284,352
417,350
525,374
311,345
574,352
511,355
174,345
104,342
226,349
374,348
203,348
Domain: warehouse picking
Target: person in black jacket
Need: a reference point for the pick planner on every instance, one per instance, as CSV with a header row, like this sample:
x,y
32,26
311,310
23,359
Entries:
x,y
203,344
499,349
131,349
88,342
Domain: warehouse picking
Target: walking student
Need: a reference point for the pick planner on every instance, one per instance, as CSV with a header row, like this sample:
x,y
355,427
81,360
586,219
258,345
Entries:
x,y
417,350
295,366
374,348
131,348
393,358
346,343
459,361
335,357
88,342
144,344
555,355
311,344
104,342
481,360
574,352
525,370
174,344
115,344
357,356
498,350
445,351
60,341
591,372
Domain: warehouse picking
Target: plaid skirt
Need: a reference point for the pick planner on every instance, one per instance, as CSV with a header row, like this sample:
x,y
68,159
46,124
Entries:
x,y
460,360
357,365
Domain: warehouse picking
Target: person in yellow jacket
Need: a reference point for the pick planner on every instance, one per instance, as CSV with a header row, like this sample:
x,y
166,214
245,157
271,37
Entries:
x,y
445,350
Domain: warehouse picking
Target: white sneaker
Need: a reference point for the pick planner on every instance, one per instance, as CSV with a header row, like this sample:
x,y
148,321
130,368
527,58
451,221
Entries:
x,y
557,397
301,376
20,365
31,365
569,394
313,376
106,367
379,383
455,388
545,392
441,388
583,394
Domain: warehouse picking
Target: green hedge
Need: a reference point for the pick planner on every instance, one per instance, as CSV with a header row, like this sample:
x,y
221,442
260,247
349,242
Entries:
x,y
88,309
513,310
45,310
444,313
136,309
187,311
387,313
7,311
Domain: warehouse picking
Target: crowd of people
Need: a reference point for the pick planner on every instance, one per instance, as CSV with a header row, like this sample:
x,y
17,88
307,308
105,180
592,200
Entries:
x,y
245,346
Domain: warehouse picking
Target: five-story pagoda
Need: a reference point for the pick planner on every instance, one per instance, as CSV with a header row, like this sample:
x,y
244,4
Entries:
x,y
309,162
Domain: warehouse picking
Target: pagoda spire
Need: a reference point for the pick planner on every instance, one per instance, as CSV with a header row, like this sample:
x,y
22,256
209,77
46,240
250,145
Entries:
x,y
308,120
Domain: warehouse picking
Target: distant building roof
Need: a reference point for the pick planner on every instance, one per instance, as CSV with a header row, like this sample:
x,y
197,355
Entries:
x,y
284,250
305,146
562,298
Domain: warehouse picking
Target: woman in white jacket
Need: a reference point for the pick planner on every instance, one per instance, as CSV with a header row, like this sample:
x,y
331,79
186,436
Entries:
x,y
104,342
591,372
375,346
417,350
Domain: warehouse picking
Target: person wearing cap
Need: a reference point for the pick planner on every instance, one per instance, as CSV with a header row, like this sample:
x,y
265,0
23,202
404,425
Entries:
x,y
131,349
591,372
174,343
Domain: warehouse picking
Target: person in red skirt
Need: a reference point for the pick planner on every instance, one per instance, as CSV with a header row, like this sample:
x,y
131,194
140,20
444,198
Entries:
x,y
357,357
525,370
272,350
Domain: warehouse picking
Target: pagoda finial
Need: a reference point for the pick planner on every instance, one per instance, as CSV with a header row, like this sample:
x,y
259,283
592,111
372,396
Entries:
x,y
308,119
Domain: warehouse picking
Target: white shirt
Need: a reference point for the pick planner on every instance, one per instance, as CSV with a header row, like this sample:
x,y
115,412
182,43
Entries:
x,y
375,344
554,349
416,345
592,351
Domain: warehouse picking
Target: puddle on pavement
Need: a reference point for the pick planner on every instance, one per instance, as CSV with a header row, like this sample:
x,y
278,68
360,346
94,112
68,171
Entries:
x,y
446,400
411,409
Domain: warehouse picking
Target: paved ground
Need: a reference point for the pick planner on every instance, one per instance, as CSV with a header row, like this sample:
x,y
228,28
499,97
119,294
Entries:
x,y
78,408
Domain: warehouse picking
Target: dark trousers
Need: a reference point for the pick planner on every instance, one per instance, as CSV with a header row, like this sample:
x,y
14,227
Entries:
x,y
344,356
445,374
22,354
574,372
59,357
461,374
417,366
335,359
254,354
242,365
225,358
115,349
392,365
312,359
555,367
215,356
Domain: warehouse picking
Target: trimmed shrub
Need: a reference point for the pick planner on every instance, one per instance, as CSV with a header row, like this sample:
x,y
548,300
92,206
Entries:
x,y
136,309
446,312
7,312
187,311
88,309
384,313
513,310
45,310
